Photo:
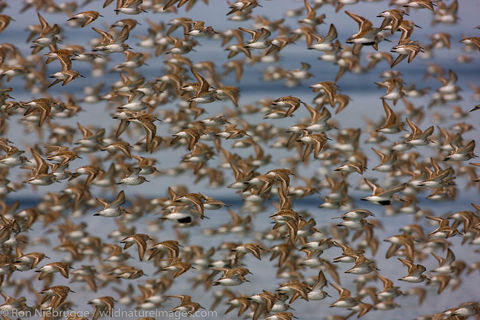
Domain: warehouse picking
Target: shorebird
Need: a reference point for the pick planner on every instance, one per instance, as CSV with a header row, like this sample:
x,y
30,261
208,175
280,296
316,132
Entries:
x,y
415,271
394,89
127,272
171,247
313,142
55,295
311,17
389,290
13,304
362,265
129,7
465,309
29,260
62,267
253,248
392,18
42,106
259,38
231,276
102,303
446,13
462,153
281,316
387,161
242,5
4,21
345,300
192,126
472,41
47,35
405,49
177,266
195,199
132,177
146,121
186,304
420,4
110,43
66,75
329,88
445,265
357,214
444,229
235,49
140,240
380,195
112,209
418,137
323,44
401,240
367,34
84,18
190,134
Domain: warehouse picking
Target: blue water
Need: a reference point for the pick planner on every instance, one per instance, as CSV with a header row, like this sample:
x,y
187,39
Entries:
x,y
365,102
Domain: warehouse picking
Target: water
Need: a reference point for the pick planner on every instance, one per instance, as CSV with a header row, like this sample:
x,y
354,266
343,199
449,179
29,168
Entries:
x,y
264,271
365,102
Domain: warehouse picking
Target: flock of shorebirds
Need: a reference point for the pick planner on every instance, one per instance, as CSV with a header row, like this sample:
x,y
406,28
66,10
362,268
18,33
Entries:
x,y
413,159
